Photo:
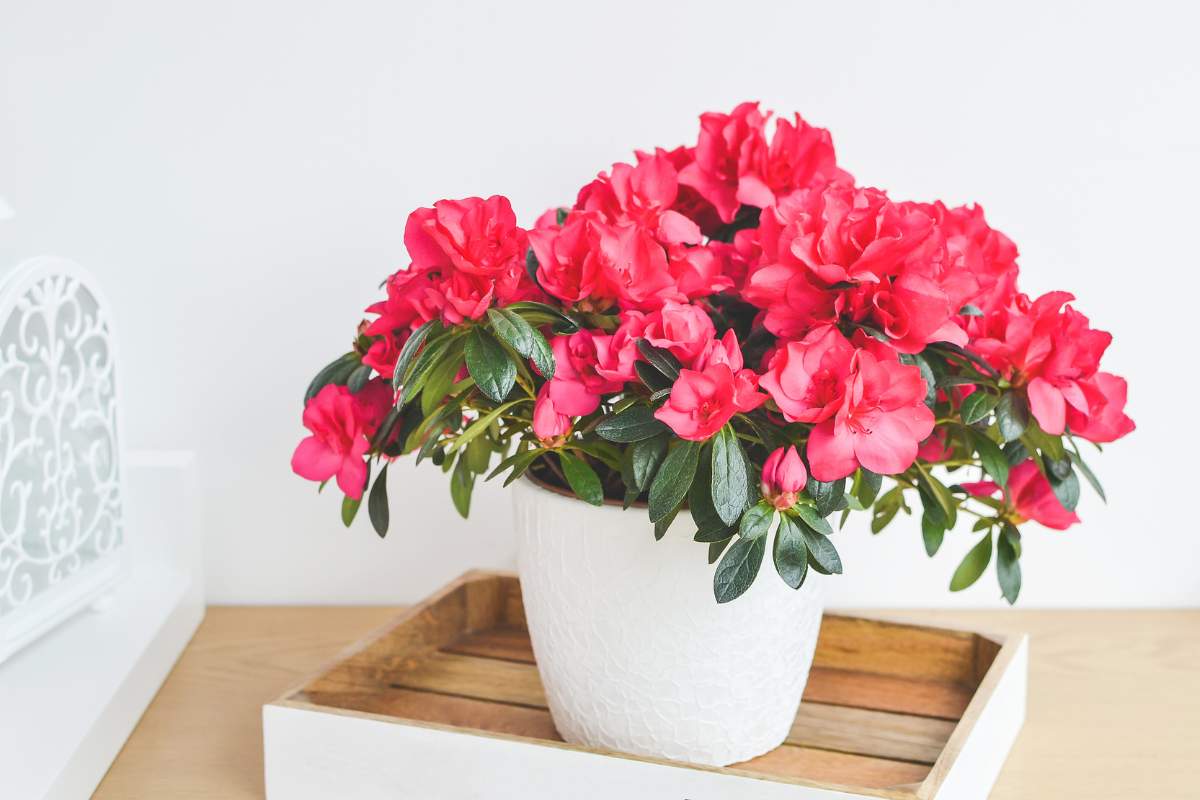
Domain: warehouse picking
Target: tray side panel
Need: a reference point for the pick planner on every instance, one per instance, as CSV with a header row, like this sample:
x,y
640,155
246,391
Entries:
x,y
971,762
314,755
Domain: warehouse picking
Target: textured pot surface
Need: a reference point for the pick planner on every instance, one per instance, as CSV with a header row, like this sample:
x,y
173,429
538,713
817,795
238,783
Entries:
x,y
634,652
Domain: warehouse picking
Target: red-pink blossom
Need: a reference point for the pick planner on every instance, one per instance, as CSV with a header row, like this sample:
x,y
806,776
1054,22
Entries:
x,y
783,476
799,156
413,298
1105,420
577,384
879,424
730,146
1029,495
807,378
569,264
702,402
476,251
635,264
683,329
643,195
338,440
549,425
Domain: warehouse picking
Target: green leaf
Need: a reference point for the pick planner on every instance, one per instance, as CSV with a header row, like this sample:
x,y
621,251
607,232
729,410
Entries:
x,y
478,455
821,553
662,360
716,548
654,380
757,521
972,565
582,478
489,364
409,351
1008,565
632,425
936,490
462,481
977,406
349,509
992,458
480,425
1015,452
1012,416
523,338
1088,474
358,379
337,372
790,553
828,496
531,265
709,526
646,457
738,568
433,356
660,527
439,379
522,464
1037,439
731,476
377,504
813,520
929,378
1066,490
932,532
971,311
866,486
674,479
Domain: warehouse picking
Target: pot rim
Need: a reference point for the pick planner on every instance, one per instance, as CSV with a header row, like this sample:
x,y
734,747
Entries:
x,y
569,495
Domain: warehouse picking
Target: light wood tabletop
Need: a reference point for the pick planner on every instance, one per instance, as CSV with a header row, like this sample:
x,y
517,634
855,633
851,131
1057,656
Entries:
x,y
1114,701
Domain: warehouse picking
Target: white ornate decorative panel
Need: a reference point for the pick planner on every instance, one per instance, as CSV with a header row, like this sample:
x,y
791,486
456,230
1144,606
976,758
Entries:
x,y
60,484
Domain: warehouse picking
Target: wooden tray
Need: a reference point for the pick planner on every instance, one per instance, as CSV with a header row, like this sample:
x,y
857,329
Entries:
x,y
446,702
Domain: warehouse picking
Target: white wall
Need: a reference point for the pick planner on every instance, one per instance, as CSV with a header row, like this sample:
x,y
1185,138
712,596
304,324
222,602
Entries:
x,y
238,173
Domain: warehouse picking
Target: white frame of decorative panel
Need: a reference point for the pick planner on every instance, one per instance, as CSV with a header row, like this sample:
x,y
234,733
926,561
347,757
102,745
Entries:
x,y
61,601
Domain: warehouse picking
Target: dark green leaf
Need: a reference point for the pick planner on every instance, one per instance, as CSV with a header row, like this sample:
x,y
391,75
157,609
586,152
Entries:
x,y
462,481
790,553
584,481
1089,475
756,521
972,565
522,337
1015,453
1012,416
828,496
654,380
932,532
337,372
646,457
1066,490
377,504
709,526
489,364
813,520
673,480
934,489
358,379
738,568
991,457
560,215
662,360
866,486
1057,468
821,553
660,527
632,425
881,516
971,311
531,266
716,548
977,406
731,476
409,351
1008,565
522,464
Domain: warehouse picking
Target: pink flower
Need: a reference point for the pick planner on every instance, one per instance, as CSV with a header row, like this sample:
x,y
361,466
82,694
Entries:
x,y
699,271
702,402
683,329
635,265
1105,420
783,476
799,156
807,379
578,384
725,350
569,266
549,426
384,352
413,298
1029,495
689,202
879,424
476,251
1050,350
730,146
936,448
912,311
338,441
643,195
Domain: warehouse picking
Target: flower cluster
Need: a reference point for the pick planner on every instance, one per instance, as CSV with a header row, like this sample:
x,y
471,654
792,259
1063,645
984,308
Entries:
x,y
738,328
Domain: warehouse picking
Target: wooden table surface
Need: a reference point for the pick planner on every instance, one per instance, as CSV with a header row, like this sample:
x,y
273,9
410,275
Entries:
x,y
1114,701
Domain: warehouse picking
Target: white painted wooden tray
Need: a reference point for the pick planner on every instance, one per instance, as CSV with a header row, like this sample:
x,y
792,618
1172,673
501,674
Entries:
x,y
445,702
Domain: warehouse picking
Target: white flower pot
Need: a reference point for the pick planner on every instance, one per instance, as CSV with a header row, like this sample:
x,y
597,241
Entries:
x,y
635,653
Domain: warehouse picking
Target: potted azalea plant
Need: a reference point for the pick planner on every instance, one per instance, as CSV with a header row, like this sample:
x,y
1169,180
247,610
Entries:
x,y
732,343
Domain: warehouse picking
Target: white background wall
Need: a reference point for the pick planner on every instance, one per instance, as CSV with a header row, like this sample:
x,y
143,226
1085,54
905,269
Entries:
x,y
238,173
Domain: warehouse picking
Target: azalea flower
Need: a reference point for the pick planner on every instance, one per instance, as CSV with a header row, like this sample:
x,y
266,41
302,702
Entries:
x,y
1029,496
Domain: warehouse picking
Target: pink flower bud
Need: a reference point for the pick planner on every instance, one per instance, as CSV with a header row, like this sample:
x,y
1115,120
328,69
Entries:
x,y
783,477
549,425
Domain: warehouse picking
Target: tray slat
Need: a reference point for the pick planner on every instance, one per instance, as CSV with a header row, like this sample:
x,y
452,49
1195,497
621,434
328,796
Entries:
x,y
883,699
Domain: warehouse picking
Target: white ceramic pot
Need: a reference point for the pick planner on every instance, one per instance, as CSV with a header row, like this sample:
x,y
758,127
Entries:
x,y
635,653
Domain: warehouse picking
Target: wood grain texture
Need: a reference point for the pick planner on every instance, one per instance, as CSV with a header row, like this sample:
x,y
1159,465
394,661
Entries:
x,y
1114,701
